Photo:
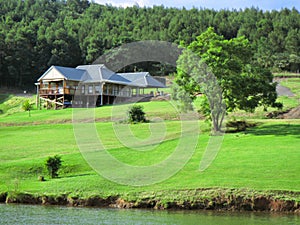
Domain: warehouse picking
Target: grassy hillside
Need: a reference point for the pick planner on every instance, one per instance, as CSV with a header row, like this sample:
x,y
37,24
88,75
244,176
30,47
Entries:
x,y
265,157
11,104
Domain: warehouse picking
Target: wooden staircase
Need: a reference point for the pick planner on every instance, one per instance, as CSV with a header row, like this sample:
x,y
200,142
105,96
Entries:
x,y
56,103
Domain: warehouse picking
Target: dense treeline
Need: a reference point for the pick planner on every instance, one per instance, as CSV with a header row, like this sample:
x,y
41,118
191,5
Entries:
x,y
35,34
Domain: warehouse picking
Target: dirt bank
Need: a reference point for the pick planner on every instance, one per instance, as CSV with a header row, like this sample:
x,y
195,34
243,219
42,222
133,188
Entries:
x,y
292,114
199,199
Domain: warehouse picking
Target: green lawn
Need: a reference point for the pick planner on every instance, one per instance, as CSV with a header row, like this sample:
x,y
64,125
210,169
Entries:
x,y
163,109
265,157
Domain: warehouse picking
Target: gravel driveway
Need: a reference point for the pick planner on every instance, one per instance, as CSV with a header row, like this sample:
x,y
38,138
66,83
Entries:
x,y
284,91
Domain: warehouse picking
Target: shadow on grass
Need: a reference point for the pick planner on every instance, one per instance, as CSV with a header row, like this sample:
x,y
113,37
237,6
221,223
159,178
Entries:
x,y
4,97
276,129
75,175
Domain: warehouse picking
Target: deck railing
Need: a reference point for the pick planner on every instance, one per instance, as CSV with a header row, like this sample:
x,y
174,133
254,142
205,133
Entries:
x,y
57,91
71,91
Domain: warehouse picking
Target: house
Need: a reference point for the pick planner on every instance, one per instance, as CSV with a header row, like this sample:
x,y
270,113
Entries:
x,y
90,86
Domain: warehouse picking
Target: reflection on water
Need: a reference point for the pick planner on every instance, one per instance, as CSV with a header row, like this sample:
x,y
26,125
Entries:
x,y
28,214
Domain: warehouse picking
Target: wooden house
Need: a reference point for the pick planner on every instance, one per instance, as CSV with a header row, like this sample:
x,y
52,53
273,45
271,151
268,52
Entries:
x,y
90,86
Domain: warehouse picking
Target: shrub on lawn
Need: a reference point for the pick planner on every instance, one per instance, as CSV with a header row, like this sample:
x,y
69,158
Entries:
x,y
136,114
53,164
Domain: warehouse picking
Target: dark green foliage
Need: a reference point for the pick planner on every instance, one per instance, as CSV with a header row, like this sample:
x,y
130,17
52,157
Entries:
x,y
37,34
53,164
239,125
136,114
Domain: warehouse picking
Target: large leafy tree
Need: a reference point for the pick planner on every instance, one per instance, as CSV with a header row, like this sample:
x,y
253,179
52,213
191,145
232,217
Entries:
x,y
224,71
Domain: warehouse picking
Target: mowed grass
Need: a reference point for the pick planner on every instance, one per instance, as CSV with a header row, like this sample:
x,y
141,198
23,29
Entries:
x,y
164,109
264,158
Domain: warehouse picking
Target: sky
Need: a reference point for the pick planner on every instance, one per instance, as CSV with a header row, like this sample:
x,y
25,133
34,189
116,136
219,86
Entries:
x,y
210,4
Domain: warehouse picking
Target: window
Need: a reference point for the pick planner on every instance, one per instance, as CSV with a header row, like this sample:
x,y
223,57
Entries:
x,y
116,90
82,90
97,89
90,89
45,84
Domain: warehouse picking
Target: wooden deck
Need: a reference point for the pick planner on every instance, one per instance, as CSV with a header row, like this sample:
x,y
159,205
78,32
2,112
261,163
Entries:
x,y
57,91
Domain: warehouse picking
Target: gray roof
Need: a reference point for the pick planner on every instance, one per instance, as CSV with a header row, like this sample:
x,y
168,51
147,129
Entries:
x,y
71,73
100,73
67,72
142,79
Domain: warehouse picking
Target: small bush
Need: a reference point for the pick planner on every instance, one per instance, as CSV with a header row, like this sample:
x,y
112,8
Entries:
x,y
27,106
136,114
53,164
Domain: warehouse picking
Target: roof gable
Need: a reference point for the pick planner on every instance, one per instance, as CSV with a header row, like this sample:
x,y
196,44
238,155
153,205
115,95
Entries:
x,y
50,74
59,72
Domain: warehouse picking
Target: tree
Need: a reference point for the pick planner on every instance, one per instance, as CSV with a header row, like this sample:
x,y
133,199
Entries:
x,y
225,73
292,45
36,34
27,106
53,164
264,53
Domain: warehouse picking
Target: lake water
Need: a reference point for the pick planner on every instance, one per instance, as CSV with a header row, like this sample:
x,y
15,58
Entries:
x,y
28,214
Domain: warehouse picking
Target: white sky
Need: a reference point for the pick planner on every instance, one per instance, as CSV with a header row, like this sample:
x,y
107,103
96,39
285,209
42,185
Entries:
x,y
211,4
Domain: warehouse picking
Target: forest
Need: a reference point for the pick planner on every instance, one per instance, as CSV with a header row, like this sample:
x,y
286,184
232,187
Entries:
x,y
35,34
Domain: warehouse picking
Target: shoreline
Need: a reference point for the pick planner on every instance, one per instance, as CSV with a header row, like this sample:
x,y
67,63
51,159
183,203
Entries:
x,y
203,199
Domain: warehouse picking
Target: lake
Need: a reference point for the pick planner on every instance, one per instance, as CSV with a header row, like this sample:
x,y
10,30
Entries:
x,y
29,214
